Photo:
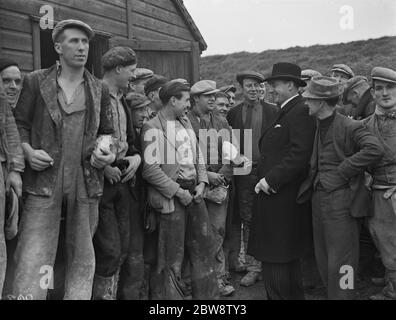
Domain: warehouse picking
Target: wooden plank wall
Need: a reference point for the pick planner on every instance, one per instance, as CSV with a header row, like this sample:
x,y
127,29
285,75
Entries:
x,y
158,20
109,16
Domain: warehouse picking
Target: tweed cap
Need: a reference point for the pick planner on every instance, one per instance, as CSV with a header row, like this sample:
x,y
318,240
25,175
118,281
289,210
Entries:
x,y
71,23
227,89
344,69
5,63
118,56
180,80
308,74
322,87
383,74
155,83
351,84
204,87
249,74
137,100
142,74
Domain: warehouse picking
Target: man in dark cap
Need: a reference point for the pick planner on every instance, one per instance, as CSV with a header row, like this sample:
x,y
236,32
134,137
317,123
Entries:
x,y
11,167
175,170
139,80
151,89
358,93
250,116
280,228
112,238
342,73
12,80
230,91
343,150
383,223
60,114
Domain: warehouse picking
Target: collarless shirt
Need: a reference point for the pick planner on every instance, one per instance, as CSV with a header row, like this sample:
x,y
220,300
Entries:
x,y
120,124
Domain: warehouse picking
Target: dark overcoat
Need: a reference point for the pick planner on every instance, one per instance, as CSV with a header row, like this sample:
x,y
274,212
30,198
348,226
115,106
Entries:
x,y
281,228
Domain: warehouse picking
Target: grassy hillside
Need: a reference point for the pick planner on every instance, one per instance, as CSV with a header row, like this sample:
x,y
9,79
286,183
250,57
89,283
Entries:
x,y
361,56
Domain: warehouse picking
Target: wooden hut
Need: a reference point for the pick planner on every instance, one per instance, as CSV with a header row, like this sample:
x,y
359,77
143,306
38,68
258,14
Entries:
x,y
162,33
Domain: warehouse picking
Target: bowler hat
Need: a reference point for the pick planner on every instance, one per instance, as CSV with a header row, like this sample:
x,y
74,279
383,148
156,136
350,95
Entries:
x,y
287,71
322,87
204,87
70,23
249,74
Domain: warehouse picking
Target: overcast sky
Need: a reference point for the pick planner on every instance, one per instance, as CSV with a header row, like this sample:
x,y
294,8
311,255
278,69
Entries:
x,y
257,25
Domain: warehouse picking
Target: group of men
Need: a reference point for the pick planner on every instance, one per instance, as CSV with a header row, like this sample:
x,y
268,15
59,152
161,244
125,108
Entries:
x,y
136,186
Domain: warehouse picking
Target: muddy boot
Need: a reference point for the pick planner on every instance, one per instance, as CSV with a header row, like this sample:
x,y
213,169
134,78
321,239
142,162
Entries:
x,y
104,288
250,278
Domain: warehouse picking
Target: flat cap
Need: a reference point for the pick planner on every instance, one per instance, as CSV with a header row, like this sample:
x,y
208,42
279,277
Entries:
x,y
155,83
322,87
180,80
383,74
71,23
204,87
5,63
227,89
141,74
250,75
118,56
344,69
137,100
308,74
351,84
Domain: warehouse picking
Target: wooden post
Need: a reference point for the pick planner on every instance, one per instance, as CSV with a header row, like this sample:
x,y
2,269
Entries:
x,y
36,45
129,7
195,57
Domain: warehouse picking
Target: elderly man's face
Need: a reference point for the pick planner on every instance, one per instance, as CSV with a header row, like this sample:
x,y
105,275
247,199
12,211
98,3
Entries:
x,y
340,77
222,106
280,90
384,94
12,83
251,89
139,116
353,98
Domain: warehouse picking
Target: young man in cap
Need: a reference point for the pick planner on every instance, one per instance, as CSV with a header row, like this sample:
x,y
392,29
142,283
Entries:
x,y
343,150
280,228
204,120
230,91
358,93
383,223
113,234
253,115
151,89
60,113
175,171
12,80
139,80
342,73
222,105
11,167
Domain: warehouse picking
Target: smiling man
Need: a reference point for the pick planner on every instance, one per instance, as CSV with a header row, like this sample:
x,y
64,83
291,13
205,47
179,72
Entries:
x,y
251,115
177,178
60,113
280,231
383,224
12,80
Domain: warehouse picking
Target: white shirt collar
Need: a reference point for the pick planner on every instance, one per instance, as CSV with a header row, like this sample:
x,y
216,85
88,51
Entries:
x,y
288,100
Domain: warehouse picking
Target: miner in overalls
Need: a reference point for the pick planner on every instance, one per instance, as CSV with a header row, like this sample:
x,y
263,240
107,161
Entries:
x,y
60,113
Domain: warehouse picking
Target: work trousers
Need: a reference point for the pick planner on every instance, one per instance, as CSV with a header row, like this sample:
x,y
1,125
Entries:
x,y
336,241
39,234
3,250
185,231
245,192
218,216
383,230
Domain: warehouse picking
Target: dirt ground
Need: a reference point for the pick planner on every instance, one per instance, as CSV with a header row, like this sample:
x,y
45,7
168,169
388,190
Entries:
x,y
314,290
